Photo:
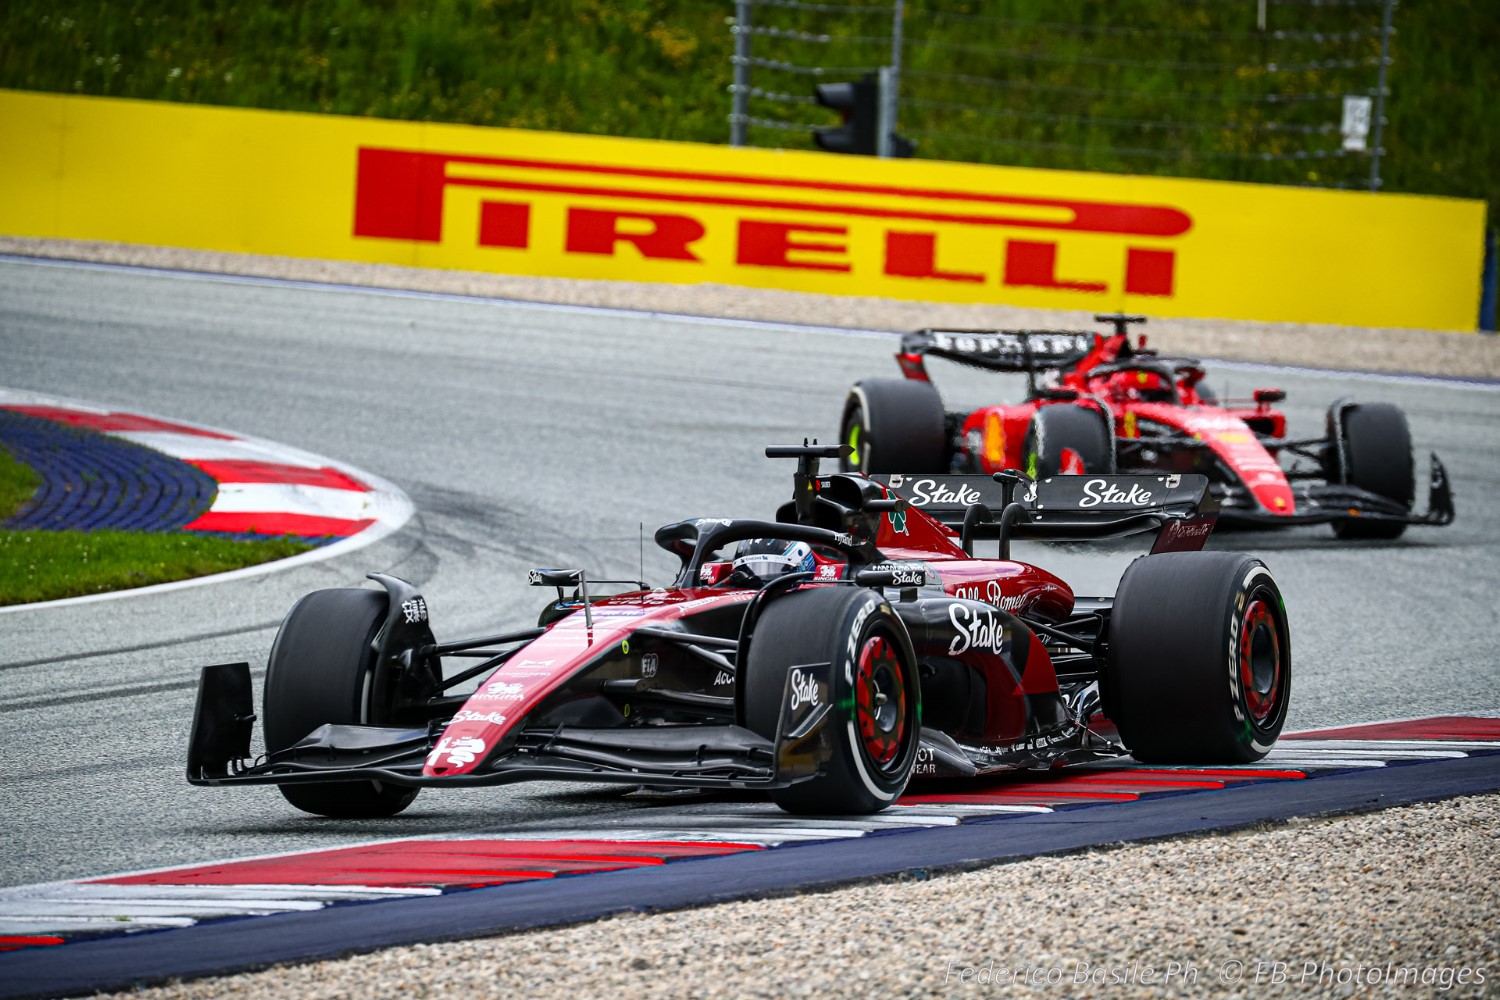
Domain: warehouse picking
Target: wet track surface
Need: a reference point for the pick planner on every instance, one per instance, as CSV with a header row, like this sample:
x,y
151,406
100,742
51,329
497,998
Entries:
x,y
530,436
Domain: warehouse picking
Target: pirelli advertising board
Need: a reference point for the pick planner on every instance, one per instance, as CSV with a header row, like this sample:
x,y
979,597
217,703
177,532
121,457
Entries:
x,y
574,206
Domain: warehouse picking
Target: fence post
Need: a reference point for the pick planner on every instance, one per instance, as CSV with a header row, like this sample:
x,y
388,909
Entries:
x,y
885,121
738,125
1488,282
897,22
1385,51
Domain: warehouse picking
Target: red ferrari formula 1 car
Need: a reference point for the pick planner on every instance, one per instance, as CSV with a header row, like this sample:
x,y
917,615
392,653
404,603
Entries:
x,y
824,657
1097,403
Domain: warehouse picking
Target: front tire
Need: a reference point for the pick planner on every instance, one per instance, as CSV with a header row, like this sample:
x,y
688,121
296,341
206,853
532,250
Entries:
x,y
1199,665
1068,439
874,723
321,669
1377,457
894,425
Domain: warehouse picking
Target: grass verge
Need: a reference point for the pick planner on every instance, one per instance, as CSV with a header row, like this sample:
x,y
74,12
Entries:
x,y
17,484
48,565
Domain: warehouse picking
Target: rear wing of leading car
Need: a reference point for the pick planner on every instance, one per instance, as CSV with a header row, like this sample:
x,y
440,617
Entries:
x,y
1009,505
1028,351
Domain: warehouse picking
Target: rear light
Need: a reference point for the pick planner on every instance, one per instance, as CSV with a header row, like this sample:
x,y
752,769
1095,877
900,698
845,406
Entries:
x,y
994,441
912,367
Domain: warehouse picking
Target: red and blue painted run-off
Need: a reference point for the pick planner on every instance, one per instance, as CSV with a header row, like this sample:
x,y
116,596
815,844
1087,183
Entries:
x,y
212,918
111,469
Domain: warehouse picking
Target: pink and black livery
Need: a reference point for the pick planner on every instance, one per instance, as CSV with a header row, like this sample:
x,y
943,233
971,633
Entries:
x,y
1097,403
900,652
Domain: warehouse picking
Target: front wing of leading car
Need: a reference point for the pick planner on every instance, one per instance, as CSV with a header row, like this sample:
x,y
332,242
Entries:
x,y
1322,503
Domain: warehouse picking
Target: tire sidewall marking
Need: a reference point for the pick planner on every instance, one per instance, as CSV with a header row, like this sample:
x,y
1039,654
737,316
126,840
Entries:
x,y
1241,600
866,431
871,606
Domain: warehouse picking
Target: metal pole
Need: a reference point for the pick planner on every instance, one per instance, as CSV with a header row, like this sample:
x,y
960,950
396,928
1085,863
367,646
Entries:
x,y
885,121
738,126
1385,49
897,23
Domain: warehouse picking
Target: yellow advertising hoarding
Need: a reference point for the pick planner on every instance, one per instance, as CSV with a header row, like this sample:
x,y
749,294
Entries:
x,y
575,206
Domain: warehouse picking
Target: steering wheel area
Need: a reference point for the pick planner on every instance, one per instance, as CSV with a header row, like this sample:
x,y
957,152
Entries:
x,y
696,543
1170,376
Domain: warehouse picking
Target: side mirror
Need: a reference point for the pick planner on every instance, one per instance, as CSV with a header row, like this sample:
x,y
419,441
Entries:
x,y
1264,396
554,577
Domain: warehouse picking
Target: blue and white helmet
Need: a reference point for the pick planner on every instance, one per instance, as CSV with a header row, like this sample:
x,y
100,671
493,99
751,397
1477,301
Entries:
x,y
768,558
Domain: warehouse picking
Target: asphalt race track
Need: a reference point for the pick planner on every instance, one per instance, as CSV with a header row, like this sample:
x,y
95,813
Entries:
x,y
543,436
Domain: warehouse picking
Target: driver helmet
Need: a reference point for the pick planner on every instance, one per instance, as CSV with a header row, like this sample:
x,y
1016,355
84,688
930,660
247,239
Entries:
x,y
767,558
1143,385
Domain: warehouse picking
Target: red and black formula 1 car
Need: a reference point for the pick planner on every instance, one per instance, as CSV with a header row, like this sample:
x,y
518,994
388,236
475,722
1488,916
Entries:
x,y
1099,404
824,657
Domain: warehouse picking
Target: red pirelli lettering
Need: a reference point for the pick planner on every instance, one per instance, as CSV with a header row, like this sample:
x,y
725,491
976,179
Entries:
x,y
663,237
914,255
399,195
1149,272
1034,265
505,224
771,244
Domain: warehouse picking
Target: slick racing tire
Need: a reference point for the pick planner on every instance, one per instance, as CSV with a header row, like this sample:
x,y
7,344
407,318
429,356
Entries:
x,y
1199,665
1063,438
320,671
873,725
894,425
1377,457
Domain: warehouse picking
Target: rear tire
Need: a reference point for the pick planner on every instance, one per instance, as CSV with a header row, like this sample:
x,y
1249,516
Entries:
x,y
321,666
1063,438
1377,457
894,425
1199,667
874,723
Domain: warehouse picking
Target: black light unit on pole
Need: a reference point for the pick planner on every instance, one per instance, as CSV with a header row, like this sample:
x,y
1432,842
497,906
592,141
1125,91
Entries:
x,y
859,106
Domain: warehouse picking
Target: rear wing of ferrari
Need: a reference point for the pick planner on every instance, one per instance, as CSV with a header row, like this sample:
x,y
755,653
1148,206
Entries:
x,y
1009,505
1027,351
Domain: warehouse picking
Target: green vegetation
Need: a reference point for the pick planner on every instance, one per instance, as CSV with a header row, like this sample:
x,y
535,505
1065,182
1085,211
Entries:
x,y
46,565
647,68
661,69
17,484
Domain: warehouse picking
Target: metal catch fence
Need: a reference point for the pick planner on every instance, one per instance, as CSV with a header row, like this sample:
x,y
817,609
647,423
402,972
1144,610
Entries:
x,y
1271,91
